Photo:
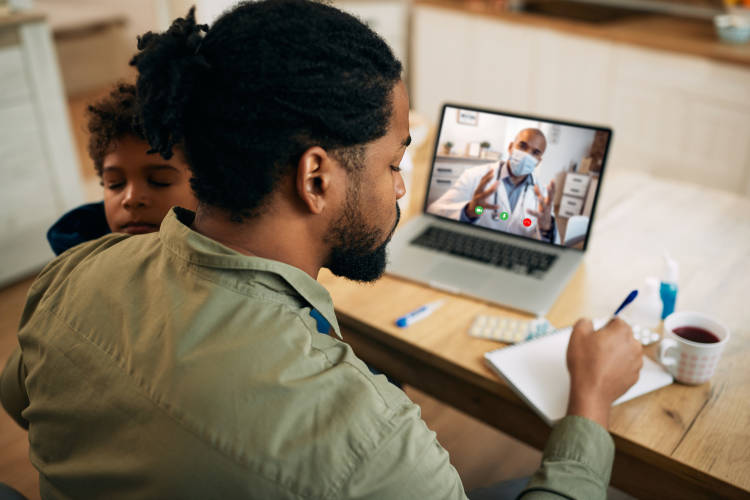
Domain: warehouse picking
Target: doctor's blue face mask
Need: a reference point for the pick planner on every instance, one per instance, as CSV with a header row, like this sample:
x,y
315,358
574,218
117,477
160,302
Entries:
x,y
521,163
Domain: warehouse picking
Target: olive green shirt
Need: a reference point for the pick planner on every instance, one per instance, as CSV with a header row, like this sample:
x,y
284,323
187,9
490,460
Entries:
x,y
170,366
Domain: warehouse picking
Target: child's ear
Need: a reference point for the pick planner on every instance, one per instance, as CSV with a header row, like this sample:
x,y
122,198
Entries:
x,y
315,178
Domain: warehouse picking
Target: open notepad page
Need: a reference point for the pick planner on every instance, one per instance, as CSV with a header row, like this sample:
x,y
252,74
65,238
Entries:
x,y
537,372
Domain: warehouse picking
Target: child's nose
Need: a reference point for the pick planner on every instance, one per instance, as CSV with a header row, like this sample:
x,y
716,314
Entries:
x,y
135,196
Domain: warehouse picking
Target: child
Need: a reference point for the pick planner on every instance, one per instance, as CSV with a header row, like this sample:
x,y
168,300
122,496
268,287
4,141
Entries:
x,y
139,188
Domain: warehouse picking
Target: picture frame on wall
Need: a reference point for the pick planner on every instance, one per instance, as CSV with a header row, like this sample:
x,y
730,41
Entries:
x,y
468,117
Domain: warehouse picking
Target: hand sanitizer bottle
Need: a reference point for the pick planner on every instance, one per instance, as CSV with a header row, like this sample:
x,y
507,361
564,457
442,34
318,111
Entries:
x,y
644,314
668,289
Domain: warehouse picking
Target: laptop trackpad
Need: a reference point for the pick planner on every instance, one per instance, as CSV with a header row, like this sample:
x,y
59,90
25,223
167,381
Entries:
x,y
455,275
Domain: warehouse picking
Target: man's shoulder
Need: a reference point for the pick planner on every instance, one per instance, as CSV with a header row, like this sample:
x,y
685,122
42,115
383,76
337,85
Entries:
x,y
66,263
475,173
306,395
75,255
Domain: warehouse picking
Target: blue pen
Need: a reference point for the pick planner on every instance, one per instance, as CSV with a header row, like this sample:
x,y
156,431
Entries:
x,y
418,314
630,298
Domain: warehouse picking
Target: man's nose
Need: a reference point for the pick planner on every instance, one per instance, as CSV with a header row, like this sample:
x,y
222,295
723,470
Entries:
x,y
399,186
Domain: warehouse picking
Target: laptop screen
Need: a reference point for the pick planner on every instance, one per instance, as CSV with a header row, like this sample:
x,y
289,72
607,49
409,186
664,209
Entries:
x,y
520,175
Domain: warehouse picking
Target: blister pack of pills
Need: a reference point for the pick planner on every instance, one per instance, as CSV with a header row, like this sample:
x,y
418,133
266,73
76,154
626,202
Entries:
x,y
644,335
509,330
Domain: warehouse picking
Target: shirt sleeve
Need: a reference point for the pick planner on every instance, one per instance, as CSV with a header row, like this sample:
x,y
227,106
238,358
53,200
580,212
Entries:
x,y
464,218
577,462
408,463
12,391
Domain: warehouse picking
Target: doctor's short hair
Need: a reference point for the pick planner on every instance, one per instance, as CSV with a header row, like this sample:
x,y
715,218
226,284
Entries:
x,y
532,129
266,82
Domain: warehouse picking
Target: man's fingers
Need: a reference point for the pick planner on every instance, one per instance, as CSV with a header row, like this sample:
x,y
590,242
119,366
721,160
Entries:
x,y
489,191
617,323
533,213
583,326
484,180
543,201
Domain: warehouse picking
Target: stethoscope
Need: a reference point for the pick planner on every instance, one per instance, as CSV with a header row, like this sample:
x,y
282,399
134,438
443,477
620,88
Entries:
x,y
496,214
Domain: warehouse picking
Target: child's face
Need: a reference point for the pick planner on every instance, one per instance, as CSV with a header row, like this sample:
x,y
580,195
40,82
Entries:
x,y
140,188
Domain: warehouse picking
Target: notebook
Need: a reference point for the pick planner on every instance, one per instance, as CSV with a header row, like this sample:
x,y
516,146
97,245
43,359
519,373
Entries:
x,y
536,371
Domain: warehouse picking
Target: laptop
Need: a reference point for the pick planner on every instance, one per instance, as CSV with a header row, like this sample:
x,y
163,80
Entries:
x,y
481,232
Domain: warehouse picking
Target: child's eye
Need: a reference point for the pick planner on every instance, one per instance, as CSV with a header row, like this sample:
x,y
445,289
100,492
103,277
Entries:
x,y
159,184
395,168
114,186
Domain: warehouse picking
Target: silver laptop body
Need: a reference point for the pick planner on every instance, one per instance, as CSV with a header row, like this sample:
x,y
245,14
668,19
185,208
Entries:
x,y
524,289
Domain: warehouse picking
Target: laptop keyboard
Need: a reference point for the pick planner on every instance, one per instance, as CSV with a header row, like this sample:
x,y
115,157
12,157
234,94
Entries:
x,y
517,259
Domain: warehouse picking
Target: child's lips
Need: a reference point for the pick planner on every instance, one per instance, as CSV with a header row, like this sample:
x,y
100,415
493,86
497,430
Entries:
x,y
139,228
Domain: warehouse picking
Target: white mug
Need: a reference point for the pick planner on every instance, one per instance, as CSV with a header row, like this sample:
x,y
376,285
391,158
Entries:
x,y
691,362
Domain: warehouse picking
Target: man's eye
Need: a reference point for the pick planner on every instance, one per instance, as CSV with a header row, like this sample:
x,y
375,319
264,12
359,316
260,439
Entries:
x,y
395,168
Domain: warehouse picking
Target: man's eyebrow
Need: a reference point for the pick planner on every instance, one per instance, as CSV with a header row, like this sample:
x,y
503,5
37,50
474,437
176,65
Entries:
x,y
406,141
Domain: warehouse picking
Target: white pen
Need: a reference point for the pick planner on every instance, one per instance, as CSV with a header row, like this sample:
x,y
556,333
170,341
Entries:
x,y
419,313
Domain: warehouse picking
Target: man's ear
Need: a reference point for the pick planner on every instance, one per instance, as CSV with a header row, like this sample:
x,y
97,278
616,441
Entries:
x,y
314,178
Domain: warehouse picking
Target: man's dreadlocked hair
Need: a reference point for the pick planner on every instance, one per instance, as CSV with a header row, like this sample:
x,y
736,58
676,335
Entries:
x,y
110,119
269,80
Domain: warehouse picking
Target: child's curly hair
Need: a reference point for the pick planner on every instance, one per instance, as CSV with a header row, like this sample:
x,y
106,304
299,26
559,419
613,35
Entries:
x,y
112,118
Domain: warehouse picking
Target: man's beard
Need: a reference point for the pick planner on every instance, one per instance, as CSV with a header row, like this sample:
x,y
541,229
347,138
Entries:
x,y
355,254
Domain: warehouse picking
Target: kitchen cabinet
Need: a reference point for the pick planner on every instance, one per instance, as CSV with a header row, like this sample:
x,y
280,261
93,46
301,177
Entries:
x,y
39,177
674,115
576,184
574,192
448,169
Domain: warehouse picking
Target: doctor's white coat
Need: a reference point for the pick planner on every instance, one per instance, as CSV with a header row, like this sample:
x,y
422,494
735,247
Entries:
x,y
453,201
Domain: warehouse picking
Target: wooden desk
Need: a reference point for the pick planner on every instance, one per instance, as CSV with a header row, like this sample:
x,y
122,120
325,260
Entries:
x,y
678,442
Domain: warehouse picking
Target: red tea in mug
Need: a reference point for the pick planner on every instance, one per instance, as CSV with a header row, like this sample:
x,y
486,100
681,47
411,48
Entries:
x,y
695,334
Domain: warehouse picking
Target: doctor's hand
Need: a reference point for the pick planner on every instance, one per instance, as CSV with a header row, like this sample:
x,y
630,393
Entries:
x,y
603,365
481,193
543,213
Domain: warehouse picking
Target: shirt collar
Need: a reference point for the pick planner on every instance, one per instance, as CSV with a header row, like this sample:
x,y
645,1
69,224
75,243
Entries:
x,y
176,234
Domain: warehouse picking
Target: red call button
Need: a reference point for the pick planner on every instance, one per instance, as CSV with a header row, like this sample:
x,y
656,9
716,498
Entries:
x,y
527,222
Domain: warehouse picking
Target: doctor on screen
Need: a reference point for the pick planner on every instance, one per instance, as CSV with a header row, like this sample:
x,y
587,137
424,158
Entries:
x,y
507,193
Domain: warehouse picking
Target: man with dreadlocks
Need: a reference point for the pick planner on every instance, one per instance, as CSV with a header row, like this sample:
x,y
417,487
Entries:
x,y
205,360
